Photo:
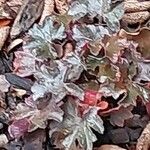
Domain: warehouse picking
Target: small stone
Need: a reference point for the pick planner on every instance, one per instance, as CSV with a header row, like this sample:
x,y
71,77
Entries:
x,y
134,122
118,136
3,139
11,101
134,134
1,126
110,147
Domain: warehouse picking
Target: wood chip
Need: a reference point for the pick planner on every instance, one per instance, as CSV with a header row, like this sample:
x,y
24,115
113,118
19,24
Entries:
x,y
4,31
136,17
135,6
144,140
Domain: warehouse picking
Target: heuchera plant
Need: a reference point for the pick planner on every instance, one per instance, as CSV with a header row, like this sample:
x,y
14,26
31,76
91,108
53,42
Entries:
x,y
76,67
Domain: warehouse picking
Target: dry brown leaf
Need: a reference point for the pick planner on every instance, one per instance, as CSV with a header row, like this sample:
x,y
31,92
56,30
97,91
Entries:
x,y
142,38
61,6
4,32
2,2
119,116
29,12
34,140
4,22
144,140
4,13
3,139
112,46
48,9
110,147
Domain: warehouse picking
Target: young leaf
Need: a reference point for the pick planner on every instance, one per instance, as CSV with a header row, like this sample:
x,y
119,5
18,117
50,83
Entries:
x,y
43,36
88,33
79,9
133,91
104,66
78,128
113,17
102,8
54,78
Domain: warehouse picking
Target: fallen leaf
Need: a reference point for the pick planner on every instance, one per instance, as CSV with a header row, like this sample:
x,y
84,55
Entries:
x,y
34,140
29,12
14,4
119,116
18,128
142,38
61,6
47,10
24,64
